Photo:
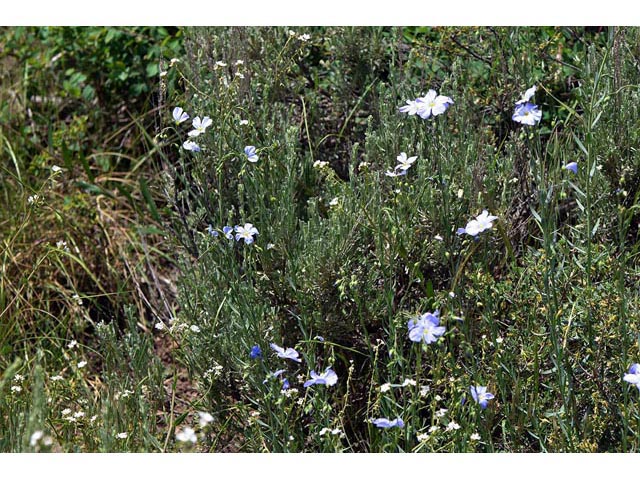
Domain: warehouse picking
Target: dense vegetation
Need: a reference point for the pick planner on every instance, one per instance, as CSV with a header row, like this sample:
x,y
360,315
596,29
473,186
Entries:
x,y
284,276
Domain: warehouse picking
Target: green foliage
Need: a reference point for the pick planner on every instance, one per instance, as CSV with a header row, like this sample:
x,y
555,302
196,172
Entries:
x,y
532,309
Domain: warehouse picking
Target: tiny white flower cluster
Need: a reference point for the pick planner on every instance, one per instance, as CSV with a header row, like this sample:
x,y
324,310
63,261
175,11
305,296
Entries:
x,y
62,245
214,372
38,436
33,199
335,431
188,435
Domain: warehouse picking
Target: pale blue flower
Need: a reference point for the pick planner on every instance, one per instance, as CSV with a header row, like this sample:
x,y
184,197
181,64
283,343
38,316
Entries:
x,y
246,233
228,232
573,166
527,113
411,108
179,115
191,146
633,377
327,378
275,374
432,104
426,328
527,95
250,152
482,222
199,126
289,353
481,396
285,384
212,232
386,423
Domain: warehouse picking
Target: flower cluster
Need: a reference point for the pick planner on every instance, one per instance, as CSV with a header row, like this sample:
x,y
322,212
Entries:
x,y
245,232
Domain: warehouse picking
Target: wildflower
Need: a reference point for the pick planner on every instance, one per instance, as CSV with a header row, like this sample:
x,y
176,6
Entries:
x,y
77,298
289,353
439,238
334,202
573,166
250,152
441,413
239,62
56,169
385,387
633,377
72,344
79,414
187,435
18,378
424,390
256,352
499,340
305,37
475,437
275,374
386,423
122,435
481,396
527,95
405,163
327,378
395,172
243,122
239,75
35,437
82,364
211,231
426,328
433,428
66,411
191,146
220,64
246,233
33,199
452,426
408,381
319,164
159,326
527,114
200,126
179,115
204,418
285,384
482,222
16,389
228,232
411,108
422,437
452,294
432,104
194,329
319,338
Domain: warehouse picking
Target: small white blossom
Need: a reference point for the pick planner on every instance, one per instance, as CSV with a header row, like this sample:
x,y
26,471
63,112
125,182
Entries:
x,y
72,344
79,414
334,202
16,388
422,437
452,426
220,64
57,378
305,37
33,199
424,390
35,437
159,326
194,329
82,364
243,122
18,378
239,62
408,381
441,413
475,436
433,428
204,418
385,387
122,435
66,412
56,169
187,435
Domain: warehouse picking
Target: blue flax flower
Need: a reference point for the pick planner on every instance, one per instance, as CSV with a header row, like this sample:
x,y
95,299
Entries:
x,y
191,146
481,396
275,374
327,378
212,232
228,232
179,115
256,352
386,423
425,328
250,152
573,166
633,377
246,233
289,353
